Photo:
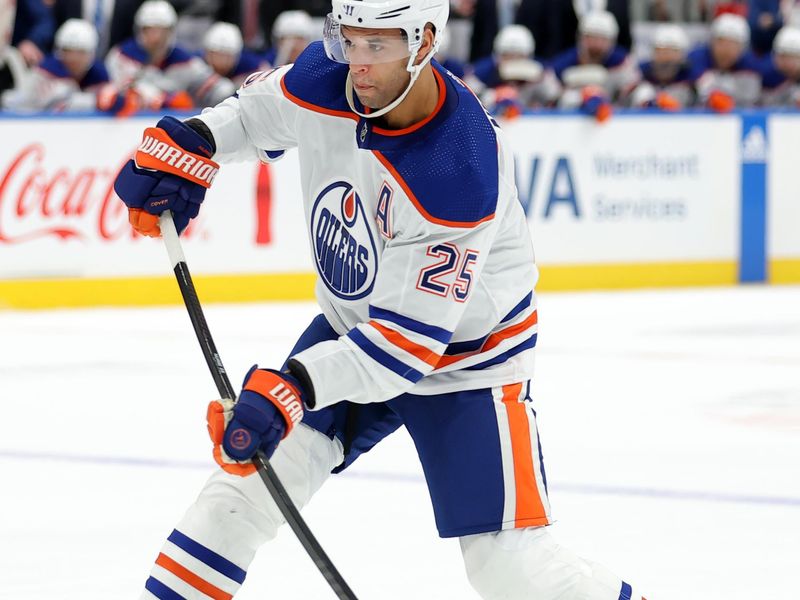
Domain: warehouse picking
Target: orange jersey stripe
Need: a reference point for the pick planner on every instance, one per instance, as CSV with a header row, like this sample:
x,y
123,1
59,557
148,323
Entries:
x,y
426,355
493,340
529,505
196,582
315,108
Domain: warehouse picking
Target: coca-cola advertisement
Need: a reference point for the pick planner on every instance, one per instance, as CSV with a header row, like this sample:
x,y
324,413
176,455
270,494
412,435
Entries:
x,y
59,215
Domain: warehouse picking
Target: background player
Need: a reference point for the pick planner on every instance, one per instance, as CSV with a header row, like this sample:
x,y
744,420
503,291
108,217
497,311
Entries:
x,y
426,278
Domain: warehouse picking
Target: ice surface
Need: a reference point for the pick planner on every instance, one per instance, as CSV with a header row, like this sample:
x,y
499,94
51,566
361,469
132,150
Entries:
x,y
670,423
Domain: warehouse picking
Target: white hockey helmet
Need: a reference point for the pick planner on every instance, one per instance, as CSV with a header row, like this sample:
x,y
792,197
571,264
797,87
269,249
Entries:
x,y
76,34
515,39
223,37
410,16
731,27
787,41
293,23
672,37
600,23
155,13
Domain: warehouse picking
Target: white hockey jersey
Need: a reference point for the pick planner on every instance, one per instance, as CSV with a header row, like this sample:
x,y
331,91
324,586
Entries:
x,y
423,252
129,65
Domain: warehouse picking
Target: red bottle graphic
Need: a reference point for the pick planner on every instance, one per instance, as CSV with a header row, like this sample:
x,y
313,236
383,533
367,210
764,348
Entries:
x,y
263,205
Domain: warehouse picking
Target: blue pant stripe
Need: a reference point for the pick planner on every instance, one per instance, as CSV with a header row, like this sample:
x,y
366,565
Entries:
x,y
383,358
209,557
160,591
626,592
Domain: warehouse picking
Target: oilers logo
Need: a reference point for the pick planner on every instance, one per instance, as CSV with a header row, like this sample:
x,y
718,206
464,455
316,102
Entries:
x,y
344,246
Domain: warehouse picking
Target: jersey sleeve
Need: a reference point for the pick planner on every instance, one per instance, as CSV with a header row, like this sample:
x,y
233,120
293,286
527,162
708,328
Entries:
x,y
425,281
258,116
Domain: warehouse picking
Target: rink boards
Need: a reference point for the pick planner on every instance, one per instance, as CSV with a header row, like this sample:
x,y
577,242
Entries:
x,y
643,200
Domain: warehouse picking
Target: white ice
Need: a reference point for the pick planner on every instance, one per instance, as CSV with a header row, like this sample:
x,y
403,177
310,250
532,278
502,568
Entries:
x,y
670,422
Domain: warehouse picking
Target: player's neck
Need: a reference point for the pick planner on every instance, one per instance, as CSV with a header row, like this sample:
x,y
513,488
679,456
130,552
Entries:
x,y
418,104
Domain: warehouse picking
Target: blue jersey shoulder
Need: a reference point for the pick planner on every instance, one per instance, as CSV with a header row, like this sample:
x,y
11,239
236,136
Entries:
x,y
452,171
176,56
131,49
248,63
316,80
748,62
701,60
96,74
616,58
565,60
270,55
53,66
456,67
771,77
485,69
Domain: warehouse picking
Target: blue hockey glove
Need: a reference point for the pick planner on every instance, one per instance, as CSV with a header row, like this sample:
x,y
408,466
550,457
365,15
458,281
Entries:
x,y
270,405
170,170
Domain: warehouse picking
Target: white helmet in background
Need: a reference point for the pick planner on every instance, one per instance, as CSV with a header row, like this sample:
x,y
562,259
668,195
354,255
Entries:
x,y
411,16
672,37
600,23
76,34
224,37
787,41
155,13
293,23
515,39
731,27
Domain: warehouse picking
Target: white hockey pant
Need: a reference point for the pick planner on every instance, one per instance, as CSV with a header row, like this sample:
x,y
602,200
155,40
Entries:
x,y
212,546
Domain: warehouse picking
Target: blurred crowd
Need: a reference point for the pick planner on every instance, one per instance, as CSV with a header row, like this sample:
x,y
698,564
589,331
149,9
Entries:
x,y
124,56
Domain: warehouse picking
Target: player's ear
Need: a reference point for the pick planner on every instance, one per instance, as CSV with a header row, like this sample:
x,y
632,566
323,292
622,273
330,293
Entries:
x,y
427,43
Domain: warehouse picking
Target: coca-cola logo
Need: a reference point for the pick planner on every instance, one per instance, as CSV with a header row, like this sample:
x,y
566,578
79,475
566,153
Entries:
x,y
40,199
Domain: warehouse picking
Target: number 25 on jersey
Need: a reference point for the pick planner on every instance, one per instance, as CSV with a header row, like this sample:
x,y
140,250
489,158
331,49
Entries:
x,y
438,278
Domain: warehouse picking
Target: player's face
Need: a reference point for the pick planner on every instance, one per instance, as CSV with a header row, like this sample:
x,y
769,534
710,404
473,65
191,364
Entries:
x,y
221,62
726,52
789,65
511,56
376,79
155,39
292,46
595,48
77,62
666,63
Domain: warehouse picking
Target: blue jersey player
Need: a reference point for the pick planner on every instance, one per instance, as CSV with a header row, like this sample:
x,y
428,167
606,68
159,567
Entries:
x,y
426,280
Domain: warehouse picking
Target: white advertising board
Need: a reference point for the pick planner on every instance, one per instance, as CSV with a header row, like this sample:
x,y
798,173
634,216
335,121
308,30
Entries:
x,y
783,187
634,189
59,216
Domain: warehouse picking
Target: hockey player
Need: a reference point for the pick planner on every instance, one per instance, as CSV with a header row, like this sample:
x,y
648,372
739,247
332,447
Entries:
x,y
425,280
781,78
224,52
595,63
510,77
725,73
292,31
160,72
665,77
69,79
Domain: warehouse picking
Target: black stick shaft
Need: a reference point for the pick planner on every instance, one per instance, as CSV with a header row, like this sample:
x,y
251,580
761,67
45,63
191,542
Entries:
x,y
268,476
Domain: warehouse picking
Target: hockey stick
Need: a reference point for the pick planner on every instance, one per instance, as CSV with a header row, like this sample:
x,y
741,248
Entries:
x,y
268,476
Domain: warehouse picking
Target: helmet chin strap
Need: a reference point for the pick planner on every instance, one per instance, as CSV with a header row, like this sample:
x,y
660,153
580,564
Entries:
x,y
415,71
